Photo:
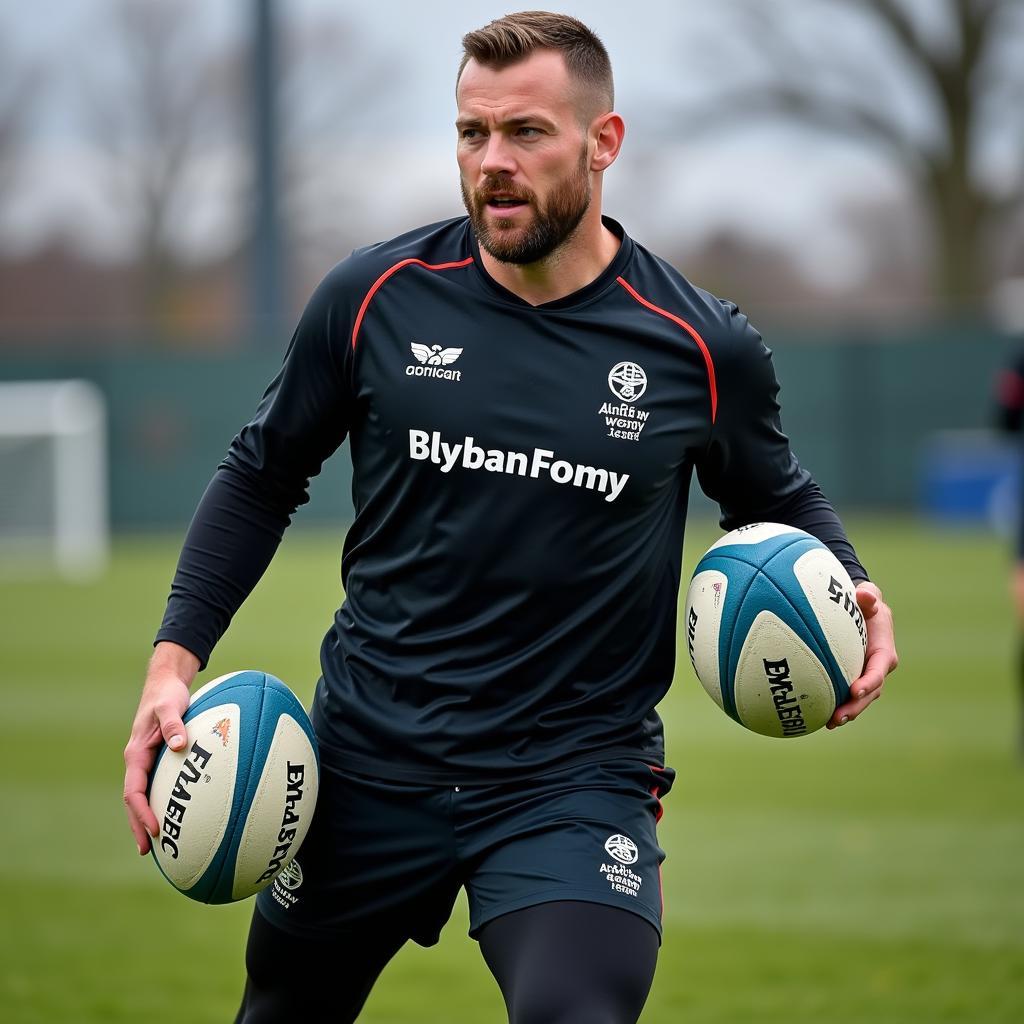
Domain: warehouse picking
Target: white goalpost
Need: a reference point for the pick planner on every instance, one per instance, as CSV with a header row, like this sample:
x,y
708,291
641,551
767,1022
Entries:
x,y
53,479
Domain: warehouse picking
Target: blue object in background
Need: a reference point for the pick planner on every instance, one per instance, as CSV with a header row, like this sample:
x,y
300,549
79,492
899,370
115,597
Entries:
x,y
970,477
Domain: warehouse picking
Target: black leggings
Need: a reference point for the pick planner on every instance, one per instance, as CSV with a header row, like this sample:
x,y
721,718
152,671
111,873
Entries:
x,y
556,963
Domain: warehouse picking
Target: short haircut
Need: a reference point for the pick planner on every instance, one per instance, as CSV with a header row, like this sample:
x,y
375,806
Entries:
x,y
513,38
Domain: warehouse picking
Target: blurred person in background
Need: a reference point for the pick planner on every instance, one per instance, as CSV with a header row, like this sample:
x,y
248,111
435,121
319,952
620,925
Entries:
x,y
1010,419
526,392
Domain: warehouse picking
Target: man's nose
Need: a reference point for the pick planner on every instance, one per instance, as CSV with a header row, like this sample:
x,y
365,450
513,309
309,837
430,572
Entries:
x,y
498,158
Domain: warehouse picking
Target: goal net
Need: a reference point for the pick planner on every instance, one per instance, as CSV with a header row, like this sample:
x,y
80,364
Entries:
x,y
53,479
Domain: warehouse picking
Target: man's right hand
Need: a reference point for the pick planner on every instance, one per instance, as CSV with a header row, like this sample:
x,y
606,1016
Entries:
x,y
165,697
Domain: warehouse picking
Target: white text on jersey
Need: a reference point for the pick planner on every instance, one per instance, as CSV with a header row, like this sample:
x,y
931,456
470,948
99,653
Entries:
x,y
424,446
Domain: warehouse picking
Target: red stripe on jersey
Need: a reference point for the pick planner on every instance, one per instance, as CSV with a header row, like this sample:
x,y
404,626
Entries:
x,y
655,790
689,330
661,808
387,273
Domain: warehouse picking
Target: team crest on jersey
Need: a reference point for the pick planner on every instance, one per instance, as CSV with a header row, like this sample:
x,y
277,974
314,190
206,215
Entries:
x,y
627,381
431,361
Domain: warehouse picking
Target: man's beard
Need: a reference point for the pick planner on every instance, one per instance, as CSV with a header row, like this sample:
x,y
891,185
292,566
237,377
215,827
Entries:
x,y
549,227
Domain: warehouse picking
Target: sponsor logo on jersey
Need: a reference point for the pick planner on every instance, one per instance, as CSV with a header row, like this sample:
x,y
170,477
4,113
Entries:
x,y
427,446
431,360
622,848
623,419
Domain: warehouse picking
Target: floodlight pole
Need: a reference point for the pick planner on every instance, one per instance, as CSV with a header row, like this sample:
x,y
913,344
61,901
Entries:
x,y
267,301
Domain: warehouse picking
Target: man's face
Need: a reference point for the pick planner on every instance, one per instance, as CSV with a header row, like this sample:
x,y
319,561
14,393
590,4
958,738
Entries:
x,y
523,156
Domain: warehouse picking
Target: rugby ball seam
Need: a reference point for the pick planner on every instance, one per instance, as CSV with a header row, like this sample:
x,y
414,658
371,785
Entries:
x,y
832,632
728,696
825,657
735,551
245,806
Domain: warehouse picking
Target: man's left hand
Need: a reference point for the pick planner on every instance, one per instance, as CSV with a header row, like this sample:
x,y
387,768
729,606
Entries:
x,y
880,657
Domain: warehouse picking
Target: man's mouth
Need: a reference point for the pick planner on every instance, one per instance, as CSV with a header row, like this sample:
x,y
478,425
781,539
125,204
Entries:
x,y
504,202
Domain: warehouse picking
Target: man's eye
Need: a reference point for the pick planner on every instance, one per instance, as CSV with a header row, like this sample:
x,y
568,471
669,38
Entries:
x,y
524,129
468,133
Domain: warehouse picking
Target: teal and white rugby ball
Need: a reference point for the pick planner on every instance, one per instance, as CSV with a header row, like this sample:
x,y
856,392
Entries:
x,y
774,630
235,804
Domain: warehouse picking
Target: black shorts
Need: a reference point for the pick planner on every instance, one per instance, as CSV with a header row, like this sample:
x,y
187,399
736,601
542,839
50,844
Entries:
x,y
390,857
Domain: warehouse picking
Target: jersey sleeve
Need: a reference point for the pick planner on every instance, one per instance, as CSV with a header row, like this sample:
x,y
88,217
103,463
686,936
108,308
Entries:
x,y
303,417
748,466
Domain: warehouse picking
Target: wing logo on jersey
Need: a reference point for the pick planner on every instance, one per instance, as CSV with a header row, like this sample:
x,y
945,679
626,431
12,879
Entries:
x,y
434,355
431,359
627,381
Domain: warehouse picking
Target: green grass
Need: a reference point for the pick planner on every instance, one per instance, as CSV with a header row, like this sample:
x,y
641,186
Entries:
x,y
872,874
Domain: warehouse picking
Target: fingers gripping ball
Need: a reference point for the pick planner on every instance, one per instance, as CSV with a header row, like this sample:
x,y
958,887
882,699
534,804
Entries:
x,y
774,630
235,804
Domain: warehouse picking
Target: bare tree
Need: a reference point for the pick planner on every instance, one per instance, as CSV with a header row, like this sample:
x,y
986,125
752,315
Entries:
x,y
152,107
162,99
330,88
963,73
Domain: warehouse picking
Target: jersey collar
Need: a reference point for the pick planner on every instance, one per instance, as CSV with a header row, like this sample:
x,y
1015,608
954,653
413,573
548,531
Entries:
x,y
576,298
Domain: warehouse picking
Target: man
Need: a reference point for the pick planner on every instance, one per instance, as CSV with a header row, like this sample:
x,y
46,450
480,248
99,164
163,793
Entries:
x,y
526,393
1010,419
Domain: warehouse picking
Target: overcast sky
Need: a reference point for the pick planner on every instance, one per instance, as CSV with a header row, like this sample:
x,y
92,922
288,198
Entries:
x,y
768,181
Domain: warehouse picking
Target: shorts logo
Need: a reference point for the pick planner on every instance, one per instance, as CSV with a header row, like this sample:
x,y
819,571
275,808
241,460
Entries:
x,y
431,358
291,876
627,381
285,882
622,848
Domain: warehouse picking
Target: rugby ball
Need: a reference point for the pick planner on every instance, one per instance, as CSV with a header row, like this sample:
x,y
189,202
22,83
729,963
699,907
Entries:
x,y
774,630
234,805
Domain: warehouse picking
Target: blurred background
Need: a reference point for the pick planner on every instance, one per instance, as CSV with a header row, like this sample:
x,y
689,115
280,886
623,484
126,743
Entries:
x,y
177,175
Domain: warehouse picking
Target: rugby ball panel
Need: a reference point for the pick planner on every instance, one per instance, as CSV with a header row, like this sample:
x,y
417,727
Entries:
x,y
831,595
756,534
199,694
188,785
781,687
765,593
705,601
781,570
741,576
281,809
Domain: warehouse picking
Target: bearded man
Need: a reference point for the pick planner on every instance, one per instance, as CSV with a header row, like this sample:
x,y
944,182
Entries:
x,y
526,393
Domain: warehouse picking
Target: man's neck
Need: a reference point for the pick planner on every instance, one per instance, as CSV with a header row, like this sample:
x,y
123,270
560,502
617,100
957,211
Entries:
x,y
582,258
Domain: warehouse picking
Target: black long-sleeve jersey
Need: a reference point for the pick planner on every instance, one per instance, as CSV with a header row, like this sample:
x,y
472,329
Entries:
x,y
520,482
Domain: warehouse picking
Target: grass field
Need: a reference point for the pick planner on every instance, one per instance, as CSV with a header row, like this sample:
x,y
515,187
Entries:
x,y
872,874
